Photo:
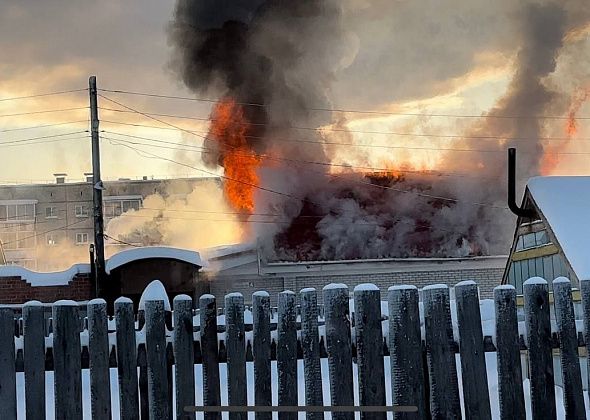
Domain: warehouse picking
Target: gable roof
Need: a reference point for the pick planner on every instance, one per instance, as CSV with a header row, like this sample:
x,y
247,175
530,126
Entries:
x,y
563,202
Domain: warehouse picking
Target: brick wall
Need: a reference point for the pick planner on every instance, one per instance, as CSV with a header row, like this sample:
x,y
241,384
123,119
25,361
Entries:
x,y
486,278
15,290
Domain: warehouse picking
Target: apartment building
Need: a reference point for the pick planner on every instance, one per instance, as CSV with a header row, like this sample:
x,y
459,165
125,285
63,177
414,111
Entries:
x,y
38,218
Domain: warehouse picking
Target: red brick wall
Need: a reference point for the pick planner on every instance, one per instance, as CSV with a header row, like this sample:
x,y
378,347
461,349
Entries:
x,y
17,290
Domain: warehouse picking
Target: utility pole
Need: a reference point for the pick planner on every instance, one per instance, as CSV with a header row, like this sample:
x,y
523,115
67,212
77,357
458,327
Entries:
x,y
97,191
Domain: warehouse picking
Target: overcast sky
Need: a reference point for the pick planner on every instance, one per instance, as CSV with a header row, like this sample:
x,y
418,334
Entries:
x,y
424,55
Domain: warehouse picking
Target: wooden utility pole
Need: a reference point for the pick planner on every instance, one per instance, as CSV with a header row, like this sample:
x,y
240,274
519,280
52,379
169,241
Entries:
x,y
97,191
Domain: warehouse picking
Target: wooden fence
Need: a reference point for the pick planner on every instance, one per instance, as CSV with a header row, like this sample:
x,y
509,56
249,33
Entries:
x,y
422,360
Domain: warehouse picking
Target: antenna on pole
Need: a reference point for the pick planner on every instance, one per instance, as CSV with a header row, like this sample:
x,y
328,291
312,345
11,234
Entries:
x,y
97,190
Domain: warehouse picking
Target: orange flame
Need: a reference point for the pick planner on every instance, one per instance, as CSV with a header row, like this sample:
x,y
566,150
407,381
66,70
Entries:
x,y
550,153
229,128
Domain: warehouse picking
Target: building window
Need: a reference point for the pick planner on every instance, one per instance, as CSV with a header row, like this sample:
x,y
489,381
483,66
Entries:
x,y
51,212
18,236
532,240
81,211
116,206
81,238
17,212
51,239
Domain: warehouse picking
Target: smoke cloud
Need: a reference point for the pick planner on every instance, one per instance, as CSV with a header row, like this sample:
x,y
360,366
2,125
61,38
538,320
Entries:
x,y
287,61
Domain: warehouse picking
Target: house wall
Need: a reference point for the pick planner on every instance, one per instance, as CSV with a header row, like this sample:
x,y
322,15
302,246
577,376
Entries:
x,y
16,290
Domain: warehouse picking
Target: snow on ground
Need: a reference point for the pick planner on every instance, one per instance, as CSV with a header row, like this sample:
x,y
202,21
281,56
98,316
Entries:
x,y
145,252
490,362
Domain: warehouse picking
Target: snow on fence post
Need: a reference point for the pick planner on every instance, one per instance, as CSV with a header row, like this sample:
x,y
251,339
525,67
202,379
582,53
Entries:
x,y
338,346
261,352
7,364
184,372
310,342
510,389
287,353
126,358
538,332
405,348
444,388
98,349
235,338
585,292
34,359
210,352
369,347
568,348
155,339
67,372
473,362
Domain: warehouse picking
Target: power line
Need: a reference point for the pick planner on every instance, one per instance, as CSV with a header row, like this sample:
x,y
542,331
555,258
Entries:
x,y
41,138
342,130
353,111
44,111
41,126
120,241
47,231
61,92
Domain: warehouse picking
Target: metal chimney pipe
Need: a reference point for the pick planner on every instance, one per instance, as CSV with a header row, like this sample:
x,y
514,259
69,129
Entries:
x,y
521,212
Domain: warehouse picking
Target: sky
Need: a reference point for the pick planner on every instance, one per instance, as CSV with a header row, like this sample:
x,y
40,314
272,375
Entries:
x,y
454,56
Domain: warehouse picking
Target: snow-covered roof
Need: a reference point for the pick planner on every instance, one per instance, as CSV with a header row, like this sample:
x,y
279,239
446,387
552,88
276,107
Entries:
x,y
563,202
58,278
148,252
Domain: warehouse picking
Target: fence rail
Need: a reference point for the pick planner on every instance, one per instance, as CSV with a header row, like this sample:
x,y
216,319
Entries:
x,y
423,362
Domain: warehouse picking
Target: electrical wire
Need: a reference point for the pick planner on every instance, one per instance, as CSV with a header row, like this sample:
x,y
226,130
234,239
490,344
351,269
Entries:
x,y
41,126
44,111
11,142
352,111
38,95
43,233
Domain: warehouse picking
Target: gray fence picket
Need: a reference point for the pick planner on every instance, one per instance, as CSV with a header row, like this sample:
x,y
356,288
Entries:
x,y
98,349
287,353
538,326
568,348
510,389
369,339
585,292
261,352
126,358
34,359
310,342
155,339
405,348
210,352
339,348
473,362
7,364
184,370
67,371
236,353
442,371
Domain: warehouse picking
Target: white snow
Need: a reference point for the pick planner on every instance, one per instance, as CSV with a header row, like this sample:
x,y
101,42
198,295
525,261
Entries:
x,y
366,287
142,253
234,295
36,279
535,280
182,298
505,287
65,302
402,287
154,291
287,292
561,280
308,290
435,286
261,293
207,296
563,202
97,301
466,283
123,299
32,303
335,286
